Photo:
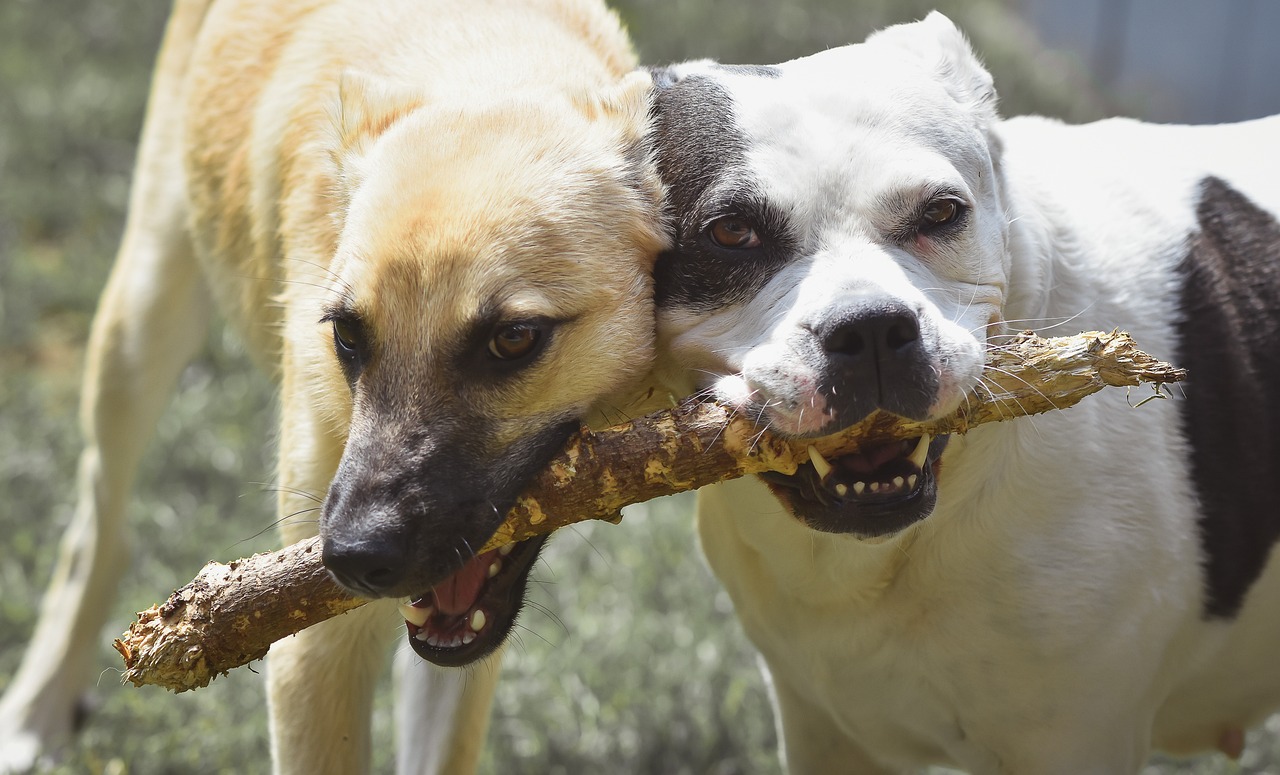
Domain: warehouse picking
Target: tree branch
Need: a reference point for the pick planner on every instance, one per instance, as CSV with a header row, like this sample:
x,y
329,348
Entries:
x,y
230,614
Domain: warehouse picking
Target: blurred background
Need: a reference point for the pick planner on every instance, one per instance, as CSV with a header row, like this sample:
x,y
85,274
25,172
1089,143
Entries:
x,y
628,659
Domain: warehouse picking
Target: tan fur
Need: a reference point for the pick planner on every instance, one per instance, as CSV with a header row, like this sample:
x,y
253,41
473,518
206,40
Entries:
x,y
422,163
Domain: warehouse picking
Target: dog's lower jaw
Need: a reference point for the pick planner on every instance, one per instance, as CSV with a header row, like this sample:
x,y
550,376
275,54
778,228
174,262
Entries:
x,y
467,616
868,495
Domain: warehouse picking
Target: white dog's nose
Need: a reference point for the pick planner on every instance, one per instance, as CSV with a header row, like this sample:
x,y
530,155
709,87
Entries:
x,y
875,358
876,333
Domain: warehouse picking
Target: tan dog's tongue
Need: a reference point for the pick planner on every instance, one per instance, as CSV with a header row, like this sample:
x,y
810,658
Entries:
x,y
458,594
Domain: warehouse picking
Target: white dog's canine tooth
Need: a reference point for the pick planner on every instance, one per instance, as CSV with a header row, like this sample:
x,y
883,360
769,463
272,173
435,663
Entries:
x,y
858,487
414,615
921,452
820,463
478,620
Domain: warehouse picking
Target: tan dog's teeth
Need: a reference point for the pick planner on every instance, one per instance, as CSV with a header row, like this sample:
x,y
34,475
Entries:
x,y
506,549
495,568
414,615
820,463
478,620
921,452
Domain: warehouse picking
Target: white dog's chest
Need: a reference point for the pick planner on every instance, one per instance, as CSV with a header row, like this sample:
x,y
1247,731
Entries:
x,y
949,648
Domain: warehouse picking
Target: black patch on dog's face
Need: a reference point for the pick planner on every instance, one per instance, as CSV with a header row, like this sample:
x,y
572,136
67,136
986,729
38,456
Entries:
x,y
702,160
758,71
1230,335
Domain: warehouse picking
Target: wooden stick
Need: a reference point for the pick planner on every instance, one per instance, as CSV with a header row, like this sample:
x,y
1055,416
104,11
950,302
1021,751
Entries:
x,y
230,614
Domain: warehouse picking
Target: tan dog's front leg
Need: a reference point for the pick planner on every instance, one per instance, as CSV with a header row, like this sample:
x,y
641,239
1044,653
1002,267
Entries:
x,y
320,684
321,681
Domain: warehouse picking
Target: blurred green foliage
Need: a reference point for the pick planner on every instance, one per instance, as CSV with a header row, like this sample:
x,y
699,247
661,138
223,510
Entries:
x,y
628,659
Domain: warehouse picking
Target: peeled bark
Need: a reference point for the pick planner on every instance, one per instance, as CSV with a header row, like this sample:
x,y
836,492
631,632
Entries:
x,y
230,614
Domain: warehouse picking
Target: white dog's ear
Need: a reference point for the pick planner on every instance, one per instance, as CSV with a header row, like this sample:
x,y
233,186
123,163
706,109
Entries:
x,y
941,46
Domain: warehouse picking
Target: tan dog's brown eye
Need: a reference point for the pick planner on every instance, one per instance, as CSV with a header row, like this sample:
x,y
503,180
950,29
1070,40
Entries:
x,y
733,233
346,335
515,341
940,212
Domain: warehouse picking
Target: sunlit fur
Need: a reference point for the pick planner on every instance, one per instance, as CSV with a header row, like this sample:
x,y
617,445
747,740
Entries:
x,y
416,162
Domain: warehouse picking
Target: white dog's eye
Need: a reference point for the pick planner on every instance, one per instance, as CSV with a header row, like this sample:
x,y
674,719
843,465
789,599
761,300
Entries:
x,y
515,341
940,212
734,233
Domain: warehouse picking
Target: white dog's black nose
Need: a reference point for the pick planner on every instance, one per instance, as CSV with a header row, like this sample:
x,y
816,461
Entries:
x,y
875,359
872,334
369,566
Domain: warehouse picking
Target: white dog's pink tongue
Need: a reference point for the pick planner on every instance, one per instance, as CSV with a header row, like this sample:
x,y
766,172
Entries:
x,y
458,594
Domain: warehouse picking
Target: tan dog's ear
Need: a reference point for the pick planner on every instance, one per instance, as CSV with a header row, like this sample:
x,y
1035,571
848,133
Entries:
x,y
941,46
366,106
627,99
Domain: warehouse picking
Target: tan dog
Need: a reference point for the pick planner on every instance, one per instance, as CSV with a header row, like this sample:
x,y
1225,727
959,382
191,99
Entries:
x,y
435,223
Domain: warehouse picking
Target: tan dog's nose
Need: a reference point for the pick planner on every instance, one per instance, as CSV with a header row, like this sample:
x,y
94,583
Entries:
x,y
368,567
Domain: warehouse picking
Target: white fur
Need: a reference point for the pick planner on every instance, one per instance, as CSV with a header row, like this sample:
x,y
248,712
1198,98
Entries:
x,y
1046,618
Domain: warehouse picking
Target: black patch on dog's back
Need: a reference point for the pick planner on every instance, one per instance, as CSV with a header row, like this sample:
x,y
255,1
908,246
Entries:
x,y
1230,335
701,155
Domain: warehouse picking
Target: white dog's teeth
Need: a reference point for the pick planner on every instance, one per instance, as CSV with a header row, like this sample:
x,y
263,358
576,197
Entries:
x,y
875,487
911,481
921,452
467,638
898,481
820,463
506,549
842,490
495,568
414,615
478,620
858,487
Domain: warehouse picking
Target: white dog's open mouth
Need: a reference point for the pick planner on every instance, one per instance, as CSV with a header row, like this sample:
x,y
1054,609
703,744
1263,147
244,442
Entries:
x,y
877,491
467,616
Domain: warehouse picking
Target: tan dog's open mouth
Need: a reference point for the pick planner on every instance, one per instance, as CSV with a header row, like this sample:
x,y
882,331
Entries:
x,y
468,615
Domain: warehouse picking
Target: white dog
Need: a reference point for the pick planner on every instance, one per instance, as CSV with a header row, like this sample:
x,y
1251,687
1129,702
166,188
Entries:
x,y
1061,594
